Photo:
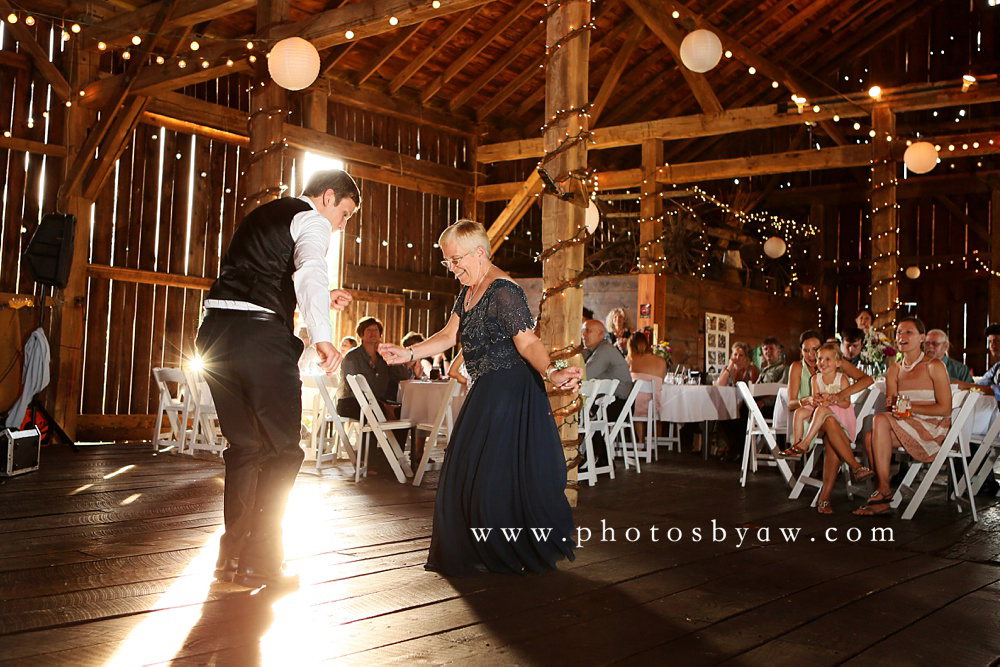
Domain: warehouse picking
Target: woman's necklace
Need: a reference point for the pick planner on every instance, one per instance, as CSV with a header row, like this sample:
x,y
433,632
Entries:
x,y
472,294
909,367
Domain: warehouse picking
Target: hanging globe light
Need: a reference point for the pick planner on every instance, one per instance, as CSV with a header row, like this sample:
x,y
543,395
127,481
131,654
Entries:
x,y
775,247
913,272
293,63
701,50
920,157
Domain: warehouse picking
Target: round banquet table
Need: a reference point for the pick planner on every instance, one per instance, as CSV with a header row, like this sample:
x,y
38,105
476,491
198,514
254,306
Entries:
x,y
686,403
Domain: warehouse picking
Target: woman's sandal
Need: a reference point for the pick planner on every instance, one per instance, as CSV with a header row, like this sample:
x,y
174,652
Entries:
x,y
823,507
877,499
793,452
862,473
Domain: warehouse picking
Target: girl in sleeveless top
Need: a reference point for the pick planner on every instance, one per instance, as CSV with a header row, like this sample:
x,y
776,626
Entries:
x,y
924,380
829,380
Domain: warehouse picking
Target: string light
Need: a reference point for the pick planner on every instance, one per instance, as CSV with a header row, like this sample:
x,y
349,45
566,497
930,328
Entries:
x,y
136,40
12,18
393,20
349,34
125,56
29,20
75,28
101,46
195,45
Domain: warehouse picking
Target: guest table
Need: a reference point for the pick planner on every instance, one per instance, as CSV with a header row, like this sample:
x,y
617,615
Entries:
x,y
422,398
686,403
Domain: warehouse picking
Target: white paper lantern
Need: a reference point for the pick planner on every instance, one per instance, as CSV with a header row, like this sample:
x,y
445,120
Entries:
x,y
701,50
593,218
775,247
913,272
920,157
293,63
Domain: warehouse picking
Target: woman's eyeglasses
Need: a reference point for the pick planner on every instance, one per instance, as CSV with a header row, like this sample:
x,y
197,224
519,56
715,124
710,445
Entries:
x,y
448,263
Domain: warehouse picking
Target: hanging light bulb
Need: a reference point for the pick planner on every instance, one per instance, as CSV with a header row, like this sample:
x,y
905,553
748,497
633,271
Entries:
x,y
159,60
436,4
75,28
12,18
125,56
249,46
875,92
136,40
29,20
967,82
349,34
393,20
195,45
182,64
101,46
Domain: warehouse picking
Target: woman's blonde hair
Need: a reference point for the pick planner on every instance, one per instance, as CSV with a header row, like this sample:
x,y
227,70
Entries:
x,y
742,346
831,347
609,321
467,234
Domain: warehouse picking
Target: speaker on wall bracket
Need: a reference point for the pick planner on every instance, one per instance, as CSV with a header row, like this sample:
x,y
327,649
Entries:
x,y
50,250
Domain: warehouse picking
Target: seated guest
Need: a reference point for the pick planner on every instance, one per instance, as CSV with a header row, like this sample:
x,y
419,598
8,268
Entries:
x,y
619,329
347,344
992,344
739,369
775,369
641,358
924,380
851,341
365,360
605,362
936,345
457,370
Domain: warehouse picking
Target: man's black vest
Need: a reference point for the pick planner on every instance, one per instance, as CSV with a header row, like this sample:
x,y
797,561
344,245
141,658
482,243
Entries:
x,y
259,263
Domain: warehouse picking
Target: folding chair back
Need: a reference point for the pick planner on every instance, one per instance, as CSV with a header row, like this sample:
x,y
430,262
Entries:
x,y
963,405
600,392
985,457
332,432
758,427
206,434
373,422
624,429
175,406
436,429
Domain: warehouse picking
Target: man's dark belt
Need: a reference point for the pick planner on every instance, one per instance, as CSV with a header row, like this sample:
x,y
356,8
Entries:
x,y
258,315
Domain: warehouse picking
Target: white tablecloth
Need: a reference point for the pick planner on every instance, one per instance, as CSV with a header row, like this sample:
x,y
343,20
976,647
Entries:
x,y
422,398
696,403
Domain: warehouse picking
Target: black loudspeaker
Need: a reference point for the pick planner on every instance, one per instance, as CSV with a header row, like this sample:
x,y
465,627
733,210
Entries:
x,y
50,250
20,451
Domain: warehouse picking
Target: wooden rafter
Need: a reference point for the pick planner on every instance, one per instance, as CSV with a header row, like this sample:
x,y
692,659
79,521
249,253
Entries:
x,y
653,14
432,49
387,51
641,80
615,73
484,40
513,53
119,29
38,55
515,210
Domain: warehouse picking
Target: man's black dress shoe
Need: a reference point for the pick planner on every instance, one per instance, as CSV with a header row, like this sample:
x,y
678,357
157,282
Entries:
x,y
255,578
225,569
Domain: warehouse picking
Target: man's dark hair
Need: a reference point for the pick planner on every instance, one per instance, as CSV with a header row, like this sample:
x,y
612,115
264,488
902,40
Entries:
x,y
770,340
993,330
806,335
367,322
412,338
588,314
337,180
852,334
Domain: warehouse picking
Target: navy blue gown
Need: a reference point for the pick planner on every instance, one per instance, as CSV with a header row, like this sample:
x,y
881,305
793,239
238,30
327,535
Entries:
x,y
500,502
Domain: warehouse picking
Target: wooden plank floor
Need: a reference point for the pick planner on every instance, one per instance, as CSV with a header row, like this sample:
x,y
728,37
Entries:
x,y
107,554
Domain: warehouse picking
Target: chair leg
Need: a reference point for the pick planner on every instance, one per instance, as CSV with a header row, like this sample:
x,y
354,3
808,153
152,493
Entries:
x,y
429,444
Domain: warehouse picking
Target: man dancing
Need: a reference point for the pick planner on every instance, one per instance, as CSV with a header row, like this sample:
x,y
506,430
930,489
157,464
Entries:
x,y
275,260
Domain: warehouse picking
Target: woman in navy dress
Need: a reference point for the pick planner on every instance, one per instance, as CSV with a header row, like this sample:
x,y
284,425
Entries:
x,y
500,505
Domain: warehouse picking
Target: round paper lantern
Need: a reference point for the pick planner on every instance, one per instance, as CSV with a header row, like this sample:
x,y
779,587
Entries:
x,y
593,218
701,50
913,272
775,247
920,157
293,63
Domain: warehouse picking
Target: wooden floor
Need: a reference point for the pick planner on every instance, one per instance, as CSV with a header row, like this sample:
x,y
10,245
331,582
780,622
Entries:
x,y
107,554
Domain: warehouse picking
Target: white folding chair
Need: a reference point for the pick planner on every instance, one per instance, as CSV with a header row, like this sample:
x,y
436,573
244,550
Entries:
x,y
440,428
374,423
963,405
985,458
206,434
646,409
176,405
624,428
332,432
759,427
597,394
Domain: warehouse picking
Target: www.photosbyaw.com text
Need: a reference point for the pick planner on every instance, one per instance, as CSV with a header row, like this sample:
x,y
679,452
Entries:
x,y
715,533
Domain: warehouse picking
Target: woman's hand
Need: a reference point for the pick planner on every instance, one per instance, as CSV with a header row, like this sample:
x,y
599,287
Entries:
x,y
566,379
394,354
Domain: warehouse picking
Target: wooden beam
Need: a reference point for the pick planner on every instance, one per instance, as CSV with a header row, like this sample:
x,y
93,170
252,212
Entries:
x,y
387,51
907,98
194,128
531,71
405,180
187,108
38,55
515,210
119,29
29,146
512,54
310,140
148,277
614,73
883,242
356,274
975,226
654,15
456,66
432,49
760,165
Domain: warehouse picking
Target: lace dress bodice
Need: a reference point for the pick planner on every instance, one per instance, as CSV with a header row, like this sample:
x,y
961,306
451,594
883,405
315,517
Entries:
x,y
486,330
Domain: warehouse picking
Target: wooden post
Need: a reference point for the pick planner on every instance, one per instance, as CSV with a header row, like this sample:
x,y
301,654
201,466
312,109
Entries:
x,y
268,110
565,88
70,314
652,286
884,244
827,288
314,110
994,305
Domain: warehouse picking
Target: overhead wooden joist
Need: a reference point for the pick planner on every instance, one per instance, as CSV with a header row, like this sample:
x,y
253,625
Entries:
x,y
907,98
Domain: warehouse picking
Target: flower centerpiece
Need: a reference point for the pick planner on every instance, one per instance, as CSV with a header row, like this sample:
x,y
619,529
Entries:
x,y
876,353
662,349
